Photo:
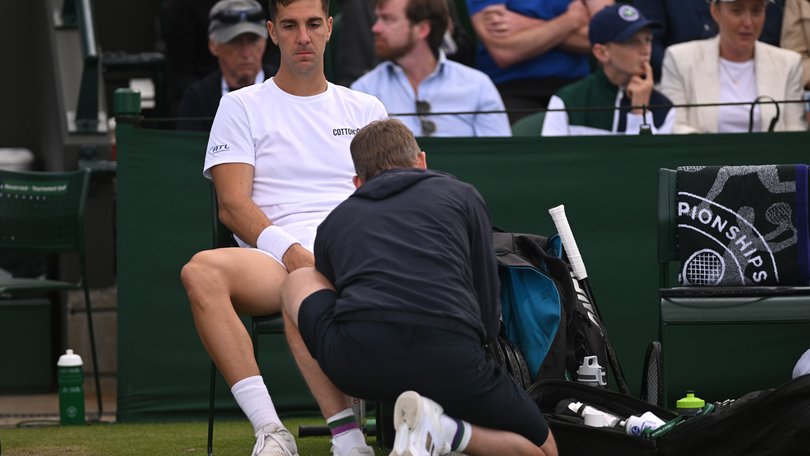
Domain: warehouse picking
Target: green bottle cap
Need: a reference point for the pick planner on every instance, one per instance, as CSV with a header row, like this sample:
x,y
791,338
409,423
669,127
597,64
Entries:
x,y
690,401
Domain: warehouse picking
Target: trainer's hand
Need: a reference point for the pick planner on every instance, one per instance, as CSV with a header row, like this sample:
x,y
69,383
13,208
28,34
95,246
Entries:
x,y
640,88
298,257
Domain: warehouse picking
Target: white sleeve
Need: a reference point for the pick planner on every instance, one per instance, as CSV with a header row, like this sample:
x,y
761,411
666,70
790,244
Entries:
x,y
674,87
794,112
556,122
634,123
490,100
230,140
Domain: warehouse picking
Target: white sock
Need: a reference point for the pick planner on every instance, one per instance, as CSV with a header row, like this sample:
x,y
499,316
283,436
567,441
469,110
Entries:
x,y
346,434
803,365
458,432
252,396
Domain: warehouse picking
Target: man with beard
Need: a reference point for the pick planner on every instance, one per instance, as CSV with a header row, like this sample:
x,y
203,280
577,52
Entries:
x,y
418,78
621,42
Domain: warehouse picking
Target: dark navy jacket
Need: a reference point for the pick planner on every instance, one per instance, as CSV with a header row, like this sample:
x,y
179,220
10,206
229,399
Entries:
x,y
413,246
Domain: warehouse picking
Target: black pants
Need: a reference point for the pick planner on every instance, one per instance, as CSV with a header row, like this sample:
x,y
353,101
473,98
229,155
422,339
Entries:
x,y
377,361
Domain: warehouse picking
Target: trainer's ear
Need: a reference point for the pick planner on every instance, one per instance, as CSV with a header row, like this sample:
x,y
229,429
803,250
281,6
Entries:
x,y
357,182
421,160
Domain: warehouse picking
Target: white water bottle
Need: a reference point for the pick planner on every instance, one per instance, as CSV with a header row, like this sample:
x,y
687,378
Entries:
x,y
591,373
635,425
586,411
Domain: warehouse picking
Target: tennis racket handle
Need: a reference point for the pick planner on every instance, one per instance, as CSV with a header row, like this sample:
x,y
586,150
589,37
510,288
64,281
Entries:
x,y
568,241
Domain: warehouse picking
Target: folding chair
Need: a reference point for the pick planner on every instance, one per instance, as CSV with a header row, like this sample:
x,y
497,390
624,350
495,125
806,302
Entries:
x,y
43,212
268,324
718,340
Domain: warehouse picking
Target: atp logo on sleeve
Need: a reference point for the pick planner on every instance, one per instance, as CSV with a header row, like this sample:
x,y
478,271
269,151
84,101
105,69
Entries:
x,y
213,150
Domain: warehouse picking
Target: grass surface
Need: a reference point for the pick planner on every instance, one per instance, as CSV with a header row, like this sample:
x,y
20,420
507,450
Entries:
x,y
231,438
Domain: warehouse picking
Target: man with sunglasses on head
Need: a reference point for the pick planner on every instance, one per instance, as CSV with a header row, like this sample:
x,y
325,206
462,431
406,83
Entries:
x,y
418,78
278,155
237,37
621,40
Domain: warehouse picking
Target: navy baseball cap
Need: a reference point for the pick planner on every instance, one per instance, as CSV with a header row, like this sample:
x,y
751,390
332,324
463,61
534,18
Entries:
x,y
617,24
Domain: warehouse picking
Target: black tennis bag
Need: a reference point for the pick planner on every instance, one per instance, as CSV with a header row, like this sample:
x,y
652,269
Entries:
x,y
542,314
771,422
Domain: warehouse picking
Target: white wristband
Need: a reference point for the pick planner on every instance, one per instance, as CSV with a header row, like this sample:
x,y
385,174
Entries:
x,y
275,241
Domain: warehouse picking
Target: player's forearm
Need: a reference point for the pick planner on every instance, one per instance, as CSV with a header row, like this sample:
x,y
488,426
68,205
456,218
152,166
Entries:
x,y
243,218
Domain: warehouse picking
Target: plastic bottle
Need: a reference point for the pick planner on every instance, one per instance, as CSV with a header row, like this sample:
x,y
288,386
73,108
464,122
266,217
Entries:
x,y
591,373
608,419
70,377
635,425
690,404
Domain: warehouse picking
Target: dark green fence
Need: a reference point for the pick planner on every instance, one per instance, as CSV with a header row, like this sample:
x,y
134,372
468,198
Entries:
x,y
608,186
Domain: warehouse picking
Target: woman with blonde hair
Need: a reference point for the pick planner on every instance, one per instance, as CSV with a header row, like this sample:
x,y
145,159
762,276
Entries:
x,y
734,67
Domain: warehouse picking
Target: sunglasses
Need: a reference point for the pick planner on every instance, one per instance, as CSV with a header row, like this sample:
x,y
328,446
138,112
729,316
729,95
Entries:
x,y
428,126
237,16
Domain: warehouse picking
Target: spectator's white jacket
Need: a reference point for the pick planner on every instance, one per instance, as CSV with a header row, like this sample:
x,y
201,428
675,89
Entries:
x,y
691,74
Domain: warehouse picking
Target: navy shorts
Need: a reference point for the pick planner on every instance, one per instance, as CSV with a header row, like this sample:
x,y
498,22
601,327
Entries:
x,y
378,360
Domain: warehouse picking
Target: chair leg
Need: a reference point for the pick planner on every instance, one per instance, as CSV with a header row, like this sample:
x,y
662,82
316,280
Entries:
x,y
96,367
211,397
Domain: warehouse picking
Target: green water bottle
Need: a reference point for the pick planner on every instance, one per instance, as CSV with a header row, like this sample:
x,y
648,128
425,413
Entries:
x,y
70,377
690,404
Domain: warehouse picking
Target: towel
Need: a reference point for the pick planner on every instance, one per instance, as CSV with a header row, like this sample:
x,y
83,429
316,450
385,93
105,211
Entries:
x,y
743,225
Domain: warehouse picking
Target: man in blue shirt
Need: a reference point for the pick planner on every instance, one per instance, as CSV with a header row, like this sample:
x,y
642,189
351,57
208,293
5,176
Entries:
x,y
417,78
532,48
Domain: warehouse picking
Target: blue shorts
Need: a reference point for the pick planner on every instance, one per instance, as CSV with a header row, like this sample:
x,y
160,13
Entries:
x,y
377,361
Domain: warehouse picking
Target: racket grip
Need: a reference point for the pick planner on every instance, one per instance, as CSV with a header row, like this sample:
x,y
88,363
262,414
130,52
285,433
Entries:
x,y
568,241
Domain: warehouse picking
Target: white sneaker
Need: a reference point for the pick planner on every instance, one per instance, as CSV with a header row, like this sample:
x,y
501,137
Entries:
x,y
356,451
418,429
274,440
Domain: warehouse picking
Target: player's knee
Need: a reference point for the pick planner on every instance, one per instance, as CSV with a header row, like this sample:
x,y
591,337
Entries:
x,y
200,273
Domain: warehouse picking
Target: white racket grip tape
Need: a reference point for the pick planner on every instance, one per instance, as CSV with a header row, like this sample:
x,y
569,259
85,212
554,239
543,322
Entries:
x,y
568,241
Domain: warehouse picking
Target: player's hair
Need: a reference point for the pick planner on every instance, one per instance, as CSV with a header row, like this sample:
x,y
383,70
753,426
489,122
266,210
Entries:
x,y
273,9
383,144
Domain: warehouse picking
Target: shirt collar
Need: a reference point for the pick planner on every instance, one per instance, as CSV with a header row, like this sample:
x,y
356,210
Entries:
x,y
259,79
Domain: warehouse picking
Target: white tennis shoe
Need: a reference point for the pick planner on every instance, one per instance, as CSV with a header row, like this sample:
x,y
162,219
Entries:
x,y
274,440
418,428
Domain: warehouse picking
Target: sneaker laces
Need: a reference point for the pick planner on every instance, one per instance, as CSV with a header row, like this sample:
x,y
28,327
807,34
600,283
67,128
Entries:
x,y
261,437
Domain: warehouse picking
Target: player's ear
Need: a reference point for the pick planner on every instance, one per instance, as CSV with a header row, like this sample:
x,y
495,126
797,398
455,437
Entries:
x,y
357,182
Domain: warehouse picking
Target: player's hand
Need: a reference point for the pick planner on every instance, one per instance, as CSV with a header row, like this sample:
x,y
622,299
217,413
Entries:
x,y
640,88
298,257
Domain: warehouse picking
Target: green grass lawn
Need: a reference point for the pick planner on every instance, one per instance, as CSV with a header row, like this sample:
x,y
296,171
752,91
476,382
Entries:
x,y
231,438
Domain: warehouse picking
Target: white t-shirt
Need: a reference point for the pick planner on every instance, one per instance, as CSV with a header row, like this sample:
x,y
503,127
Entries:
x,y
299,147
738,83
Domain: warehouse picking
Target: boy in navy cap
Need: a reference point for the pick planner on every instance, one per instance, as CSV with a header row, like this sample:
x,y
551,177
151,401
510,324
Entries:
x,y
621,41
